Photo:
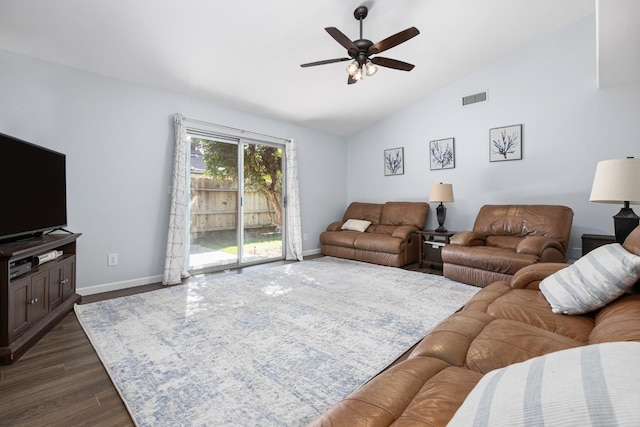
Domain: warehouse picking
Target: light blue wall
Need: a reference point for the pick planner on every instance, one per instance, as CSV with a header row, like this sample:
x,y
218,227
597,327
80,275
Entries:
x,y
568,125
118,139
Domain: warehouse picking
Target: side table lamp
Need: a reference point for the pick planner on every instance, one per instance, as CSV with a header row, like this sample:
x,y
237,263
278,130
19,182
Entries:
x,y
618,181
441,193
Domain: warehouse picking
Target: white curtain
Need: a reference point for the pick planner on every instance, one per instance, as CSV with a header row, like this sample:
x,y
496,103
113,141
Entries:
x,y
294,227
174,265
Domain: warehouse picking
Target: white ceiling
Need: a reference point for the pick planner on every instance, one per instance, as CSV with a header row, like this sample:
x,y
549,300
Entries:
x,y
247,54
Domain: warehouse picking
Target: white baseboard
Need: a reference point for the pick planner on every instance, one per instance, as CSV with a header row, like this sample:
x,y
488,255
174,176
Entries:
x,y
126,284
311,252
116,286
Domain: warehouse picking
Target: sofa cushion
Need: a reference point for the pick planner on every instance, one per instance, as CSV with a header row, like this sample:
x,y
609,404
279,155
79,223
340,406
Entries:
x,y
356,225
439,398
378,243
367,211
529,306
488,258
590,385
593,281
404,213
504,242
450,339
504,342
342,238
618,321
525,220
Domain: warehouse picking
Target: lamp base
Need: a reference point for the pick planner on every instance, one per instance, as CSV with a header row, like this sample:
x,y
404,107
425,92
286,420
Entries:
x,y
441,212
624,222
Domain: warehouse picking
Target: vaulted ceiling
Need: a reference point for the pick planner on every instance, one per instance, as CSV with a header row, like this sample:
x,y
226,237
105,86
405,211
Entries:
x,y
247,54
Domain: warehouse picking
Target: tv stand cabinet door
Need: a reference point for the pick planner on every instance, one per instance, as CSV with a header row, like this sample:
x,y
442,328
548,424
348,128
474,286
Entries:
x,y
39,302
55,286
68,277
19,295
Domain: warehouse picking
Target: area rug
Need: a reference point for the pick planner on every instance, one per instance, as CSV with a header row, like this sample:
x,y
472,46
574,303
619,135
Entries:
x,y
272,347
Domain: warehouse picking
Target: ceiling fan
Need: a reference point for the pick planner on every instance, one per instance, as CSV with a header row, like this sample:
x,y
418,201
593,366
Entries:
x,y
360,50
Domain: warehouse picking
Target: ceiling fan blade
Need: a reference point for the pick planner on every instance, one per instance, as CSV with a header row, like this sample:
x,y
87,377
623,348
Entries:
x,y
392,63
394,40
351,80
326,61
343,40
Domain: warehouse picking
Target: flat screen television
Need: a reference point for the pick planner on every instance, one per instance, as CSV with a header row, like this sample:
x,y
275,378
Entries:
x,y
33,189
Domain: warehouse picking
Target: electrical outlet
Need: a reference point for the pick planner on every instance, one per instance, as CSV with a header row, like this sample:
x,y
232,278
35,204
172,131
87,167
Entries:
x,y
304,237
112,260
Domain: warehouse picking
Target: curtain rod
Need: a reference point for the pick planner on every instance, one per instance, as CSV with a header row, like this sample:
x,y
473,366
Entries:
x,y
242,131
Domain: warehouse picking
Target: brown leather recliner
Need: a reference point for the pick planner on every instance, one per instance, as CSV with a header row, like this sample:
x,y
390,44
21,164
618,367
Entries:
x,y
506,238
390,239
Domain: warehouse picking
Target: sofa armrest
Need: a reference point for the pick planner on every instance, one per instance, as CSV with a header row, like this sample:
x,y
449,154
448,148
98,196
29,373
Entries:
x,y
404,231
529,277
536,245
335,226
468,238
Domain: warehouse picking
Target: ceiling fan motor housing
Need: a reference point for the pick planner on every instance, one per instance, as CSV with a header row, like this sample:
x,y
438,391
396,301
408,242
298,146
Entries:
x,y
362,54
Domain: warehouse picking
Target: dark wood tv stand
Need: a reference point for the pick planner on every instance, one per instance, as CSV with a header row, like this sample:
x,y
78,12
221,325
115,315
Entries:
x,y
35,301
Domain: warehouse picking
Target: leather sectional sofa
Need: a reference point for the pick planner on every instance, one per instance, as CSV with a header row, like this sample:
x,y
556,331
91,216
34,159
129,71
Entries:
x,y
387,237
506,238
511,324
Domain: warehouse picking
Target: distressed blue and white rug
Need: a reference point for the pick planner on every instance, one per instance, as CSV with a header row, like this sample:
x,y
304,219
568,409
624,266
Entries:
x,y
271,347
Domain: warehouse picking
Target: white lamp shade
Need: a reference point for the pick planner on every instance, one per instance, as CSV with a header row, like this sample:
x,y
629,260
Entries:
x,y
441,193
617,181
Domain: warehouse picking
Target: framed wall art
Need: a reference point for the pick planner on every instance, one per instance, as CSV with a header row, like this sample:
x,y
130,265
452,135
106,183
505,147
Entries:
x,y
442,154
394,161
505,143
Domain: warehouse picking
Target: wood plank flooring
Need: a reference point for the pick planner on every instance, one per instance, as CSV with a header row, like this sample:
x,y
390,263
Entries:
x,y
60,381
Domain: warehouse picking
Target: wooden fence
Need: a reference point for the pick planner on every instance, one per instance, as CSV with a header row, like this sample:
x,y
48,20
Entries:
x,y
214,206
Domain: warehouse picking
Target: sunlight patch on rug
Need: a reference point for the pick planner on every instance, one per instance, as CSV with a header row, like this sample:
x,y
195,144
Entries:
x,y
271,347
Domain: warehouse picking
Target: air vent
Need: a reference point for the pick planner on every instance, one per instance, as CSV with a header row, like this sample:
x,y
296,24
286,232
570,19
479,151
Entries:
x,y
472,99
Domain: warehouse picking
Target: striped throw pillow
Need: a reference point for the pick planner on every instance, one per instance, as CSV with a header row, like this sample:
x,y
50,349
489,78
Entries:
x,y
594,385
593,281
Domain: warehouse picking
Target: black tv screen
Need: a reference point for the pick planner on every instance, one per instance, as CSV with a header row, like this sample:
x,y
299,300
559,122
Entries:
x,y
33,190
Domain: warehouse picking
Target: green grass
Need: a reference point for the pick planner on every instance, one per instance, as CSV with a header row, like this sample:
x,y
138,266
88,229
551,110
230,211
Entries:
x,y
226,240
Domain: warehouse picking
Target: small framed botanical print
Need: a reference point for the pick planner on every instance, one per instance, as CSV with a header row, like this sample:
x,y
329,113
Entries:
x,y
505,143
394,161
442,154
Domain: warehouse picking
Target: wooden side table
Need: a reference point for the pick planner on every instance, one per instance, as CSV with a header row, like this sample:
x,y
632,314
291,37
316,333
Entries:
x,y
592,241
431,243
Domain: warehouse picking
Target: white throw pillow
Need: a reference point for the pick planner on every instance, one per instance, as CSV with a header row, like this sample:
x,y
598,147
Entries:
x,y
355,225
593,281
593,385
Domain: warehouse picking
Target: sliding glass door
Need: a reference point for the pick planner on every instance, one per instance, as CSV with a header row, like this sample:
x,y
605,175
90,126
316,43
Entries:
x,y
262,203
235,202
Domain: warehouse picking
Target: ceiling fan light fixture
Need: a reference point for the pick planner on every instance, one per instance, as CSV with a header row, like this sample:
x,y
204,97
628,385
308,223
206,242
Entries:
x,y
359,75
352,68
371,68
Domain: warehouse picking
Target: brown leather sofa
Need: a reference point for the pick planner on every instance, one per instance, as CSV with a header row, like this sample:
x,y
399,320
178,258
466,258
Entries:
x,y
390,240
506,238
504,323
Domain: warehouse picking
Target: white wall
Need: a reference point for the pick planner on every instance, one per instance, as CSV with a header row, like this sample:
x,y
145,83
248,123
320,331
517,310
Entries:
x,y
568,126
118,139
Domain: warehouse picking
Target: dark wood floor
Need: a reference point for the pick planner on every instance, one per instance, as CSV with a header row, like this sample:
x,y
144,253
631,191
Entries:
x,y
60,381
